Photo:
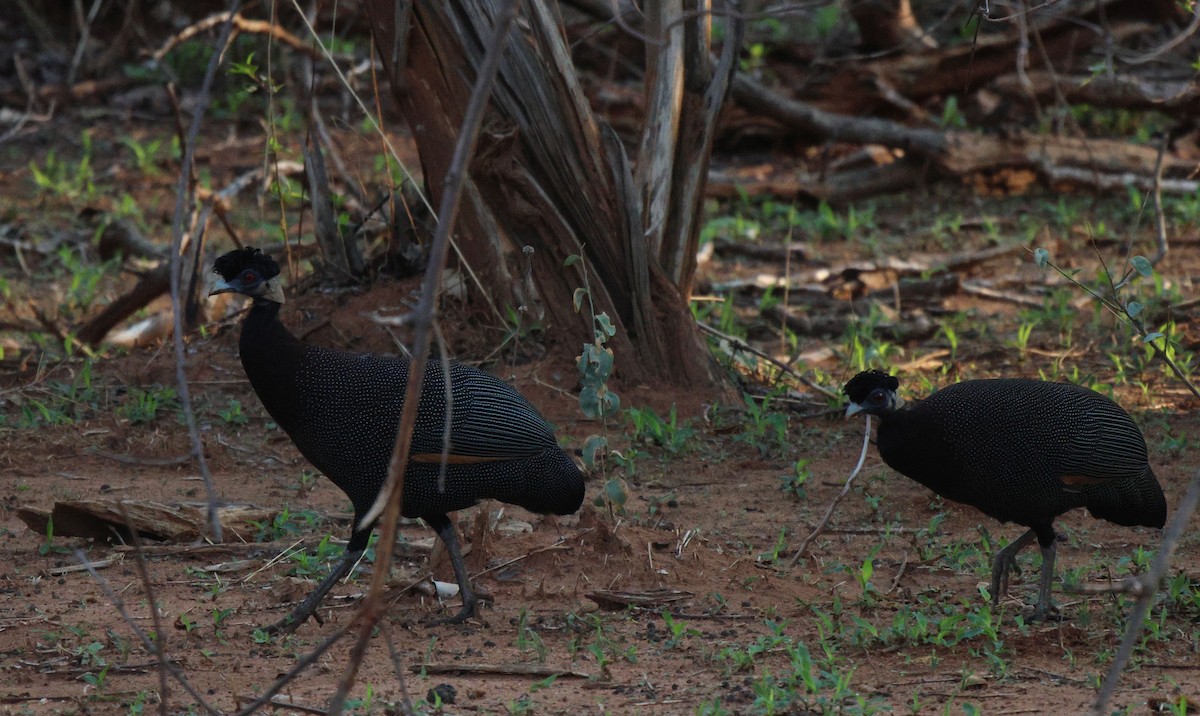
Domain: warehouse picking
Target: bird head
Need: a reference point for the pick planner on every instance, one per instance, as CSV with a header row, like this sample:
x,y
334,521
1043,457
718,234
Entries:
x,y
249,272
872,392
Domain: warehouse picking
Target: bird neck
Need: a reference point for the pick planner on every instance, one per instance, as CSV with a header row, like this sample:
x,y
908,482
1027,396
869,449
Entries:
x,y
271,356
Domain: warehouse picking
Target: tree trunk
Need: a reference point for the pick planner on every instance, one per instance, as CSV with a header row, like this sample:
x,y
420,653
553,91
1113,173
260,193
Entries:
x,y
548,180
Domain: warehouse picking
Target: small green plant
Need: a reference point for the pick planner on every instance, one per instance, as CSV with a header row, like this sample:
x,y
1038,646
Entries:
x,y
677,631
793,483
287,524
47,546
60,179
595,365
186,621
306,564
528,639
777,549
764,428
145,154
232,413
142,404
218,618
1021,341
667,433
97,678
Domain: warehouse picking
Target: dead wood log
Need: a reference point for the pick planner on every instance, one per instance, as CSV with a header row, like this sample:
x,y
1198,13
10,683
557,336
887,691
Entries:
x,y
1178,96
916,327
777,253
611,600
112,519
1100,163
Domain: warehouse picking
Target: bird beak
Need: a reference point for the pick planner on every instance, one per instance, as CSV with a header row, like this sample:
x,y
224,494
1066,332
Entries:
x,y
222,286
853,408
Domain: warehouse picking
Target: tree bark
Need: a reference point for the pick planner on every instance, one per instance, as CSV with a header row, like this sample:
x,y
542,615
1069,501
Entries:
x,y
549,180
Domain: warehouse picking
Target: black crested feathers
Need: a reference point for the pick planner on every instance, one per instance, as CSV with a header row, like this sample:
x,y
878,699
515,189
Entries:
x,y
861,385
342,411
231,265
1023,451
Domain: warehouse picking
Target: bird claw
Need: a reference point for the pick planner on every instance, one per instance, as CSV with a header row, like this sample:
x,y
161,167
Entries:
x,y
469,611
283,627
1046,613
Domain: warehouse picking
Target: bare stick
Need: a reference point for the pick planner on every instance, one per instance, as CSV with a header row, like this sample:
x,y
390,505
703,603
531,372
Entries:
x,y
308,660
160,635
405,700
741,345
391,497
498,669
141,634
1150,583
1159,219
862,458
184,192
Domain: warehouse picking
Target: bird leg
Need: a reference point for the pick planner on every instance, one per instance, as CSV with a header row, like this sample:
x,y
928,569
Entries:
x,y
308,607
1003,563
1044,607
445,529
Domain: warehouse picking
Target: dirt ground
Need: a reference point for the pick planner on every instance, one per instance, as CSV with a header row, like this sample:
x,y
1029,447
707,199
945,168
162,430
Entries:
x,y
884,613
743,632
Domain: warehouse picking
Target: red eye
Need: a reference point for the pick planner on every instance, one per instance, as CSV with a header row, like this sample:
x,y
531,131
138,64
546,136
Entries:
x,y
249,277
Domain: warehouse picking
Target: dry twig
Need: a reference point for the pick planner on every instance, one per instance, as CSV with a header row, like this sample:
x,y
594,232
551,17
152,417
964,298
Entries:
x,y
862,458
391,496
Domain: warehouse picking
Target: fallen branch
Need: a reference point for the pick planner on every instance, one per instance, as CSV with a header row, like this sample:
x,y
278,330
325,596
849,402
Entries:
x,y
539,670
740,345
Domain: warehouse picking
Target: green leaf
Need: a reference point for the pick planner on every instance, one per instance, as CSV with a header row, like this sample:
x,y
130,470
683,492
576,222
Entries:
x,y
614,491
591,448
605,325
1133,308
589,401
1152,337
610,403
1141,264
577,299
571,260
1041,257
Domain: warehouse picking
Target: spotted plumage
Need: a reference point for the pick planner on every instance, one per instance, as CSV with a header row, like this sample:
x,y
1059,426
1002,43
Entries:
x,y
342,411
1023,451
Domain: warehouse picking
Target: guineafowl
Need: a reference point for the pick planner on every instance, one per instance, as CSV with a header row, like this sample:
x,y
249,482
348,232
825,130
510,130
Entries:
x,y
1019,450
342,411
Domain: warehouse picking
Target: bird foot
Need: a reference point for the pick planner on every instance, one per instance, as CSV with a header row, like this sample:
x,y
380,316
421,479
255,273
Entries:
x,y
287,625
470,608
469,611
1045,613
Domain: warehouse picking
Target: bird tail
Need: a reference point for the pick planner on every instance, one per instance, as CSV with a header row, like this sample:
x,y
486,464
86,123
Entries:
x,y
1130,502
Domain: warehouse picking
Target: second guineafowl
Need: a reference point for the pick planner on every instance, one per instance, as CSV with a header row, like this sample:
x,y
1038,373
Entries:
x,y
1019,450
342,411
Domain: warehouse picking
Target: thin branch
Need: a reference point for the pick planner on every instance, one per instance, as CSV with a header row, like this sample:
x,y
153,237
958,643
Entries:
x,y
160,634
406,707
741,345
391,497
141,634
862,458
308,660
1151,582
1159,219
